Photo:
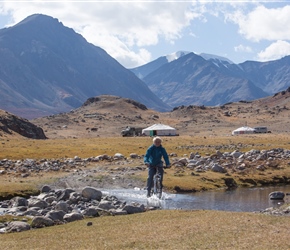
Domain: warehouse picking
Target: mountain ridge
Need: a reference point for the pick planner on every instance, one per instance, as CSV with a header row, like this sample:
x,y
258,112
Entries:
x,y
48,68
203,81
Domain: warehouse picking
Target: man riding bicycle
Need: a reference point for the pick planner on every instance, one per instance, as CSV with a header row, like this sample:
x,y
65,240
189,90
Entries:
x,y
152,160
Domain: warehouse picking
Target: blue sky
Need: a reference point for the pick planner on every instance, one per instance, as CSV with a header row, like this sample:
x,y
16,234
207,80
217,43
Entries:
x,y
136,32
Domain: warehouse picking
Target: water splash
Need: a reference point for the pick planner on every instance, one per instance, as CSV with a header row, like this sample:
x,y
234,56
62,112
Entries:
x,y
154,201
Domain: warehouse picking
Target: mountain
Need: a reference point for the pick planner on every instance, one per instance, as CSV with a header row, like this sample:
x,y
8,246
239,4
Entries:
x,y
146,69
47,68
192,80
272,76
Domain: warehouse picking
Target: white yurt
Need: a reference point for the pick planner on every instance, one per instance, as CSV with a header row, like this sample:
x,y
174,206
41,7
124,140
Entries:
x,y
159,129
243,130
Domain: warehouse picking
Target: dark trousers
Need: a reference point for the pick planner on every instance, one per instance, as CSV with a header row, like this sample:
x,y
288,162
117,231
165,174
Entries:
x,y
151,172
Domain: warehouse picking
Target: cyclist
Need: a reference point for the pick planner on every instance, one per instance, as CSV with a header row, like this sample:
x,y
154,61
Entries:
x,y
152,160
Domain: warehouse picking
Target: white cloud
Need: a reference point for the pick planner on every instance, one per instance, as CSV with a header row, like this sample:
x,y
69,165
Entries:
x,y
275,51
242,48
117,27
264,24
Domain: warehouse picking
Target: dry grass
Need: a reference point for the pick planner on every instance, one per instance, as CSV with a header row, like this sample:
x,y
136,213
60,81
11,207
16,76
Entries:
x,y
156,229
15,185
87,147
161,230
181,145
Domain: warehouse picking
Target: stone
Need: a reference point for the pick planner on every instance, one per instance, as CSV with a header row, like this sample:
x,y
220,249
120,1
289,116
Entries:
x,y
41,221
45,189
17,226
62,206
56,215
276,195
33,202
19,201
92,193
91,212
73,217
130,209
106,205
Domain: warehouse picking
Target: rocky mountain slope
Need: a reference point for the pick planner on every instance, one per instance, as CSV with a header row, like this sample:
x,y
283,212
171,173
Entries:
x,y
11,125
210,80
47,68
192,80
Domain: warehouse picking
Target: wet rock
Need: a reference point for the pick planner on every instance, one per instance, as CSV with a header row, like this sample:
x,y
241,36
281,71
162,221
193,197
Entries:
x,y
18,202
107,205
230,183
92,193
276,195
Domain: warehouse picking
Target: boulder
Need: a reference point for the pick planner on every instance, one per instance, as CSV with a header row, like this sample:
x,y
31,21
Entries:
x,y
73,217
277,195
92,193
45,189
41,221
62,206
18,202
131,209
33,202
55,215
91,212
17,226
106,205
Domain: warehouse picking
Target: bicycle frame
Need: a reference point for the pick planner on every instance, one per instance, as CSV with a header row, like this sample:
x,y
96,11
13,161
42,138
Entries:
x,y
157,189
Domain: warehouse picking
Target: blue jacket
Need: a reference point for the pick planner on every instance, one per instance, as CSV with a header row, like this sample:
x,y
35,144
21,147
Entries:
x,y
154,155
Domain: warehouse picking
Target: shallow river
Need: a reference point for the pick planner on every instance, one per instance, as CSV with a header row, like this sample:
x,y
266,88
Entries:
x,y
241,199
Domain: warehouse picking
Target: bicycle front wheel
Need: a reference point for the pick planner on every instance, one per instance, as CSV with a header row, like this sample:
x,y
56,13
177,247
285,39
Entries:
x,y
158,188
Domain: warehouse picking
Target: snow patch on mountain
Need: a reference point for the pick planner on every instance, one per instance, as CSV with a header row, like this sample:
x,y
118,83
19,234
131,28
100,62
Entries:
x,y
176,55
215,58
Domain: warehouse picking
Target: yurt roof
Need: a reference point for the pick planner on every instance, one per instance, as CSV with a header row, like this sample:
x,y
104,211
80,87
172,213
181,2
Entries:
x,y
245,128
159,127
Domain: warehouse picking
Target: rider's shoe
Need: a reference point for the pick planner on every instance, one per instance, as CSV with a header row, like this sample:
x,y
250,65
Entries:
x,y
148,194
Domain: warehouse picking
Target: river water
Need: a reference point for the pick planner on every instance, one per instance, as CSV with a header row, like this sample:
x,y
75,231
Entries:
x,y
241,199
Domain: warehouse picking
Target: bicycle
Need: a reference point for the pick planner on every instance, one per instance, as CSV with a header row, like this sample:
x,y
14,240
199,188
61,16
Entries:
x,y
157,188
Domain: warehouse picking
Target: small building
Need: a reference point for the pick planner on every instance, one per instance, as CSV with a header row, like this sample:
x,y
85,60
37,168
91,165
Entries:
x,y
243,130
159,130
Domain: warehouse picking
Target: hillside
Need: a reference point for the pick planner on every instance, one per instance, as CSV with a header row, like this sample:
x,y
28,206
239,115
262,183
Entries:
x,y
13,126
106,116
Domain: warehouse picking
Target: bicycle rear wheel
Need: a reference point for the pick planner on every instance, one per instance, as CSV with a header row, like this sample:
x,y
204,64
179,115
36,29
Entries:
x,y
158,189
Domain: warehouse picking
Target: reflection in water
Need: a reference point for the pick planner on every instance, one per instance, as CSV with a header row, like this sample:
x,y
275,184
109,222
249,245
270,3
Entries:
x,y
241,199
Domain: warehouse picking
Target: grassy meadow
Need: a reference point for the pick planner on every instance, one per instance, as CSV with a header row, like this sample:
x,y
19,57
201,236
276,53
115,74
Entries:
x,y
181,145
164,229
161,229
